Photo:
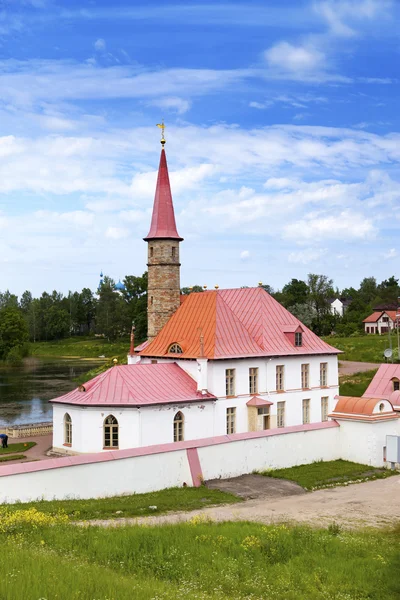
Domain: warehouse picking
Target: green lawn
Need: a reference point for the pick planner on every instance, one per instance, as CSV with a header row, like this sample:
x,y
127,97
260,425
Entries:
x,y
136,505
196,561
14,448
325,474
355,385
7,457
81,347
365,348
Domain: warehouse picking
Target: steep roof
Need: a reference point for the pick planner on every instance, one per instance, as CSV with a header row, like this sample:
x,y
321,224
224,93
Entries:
x,y
163,219
377,315
137,385
382,386
234,323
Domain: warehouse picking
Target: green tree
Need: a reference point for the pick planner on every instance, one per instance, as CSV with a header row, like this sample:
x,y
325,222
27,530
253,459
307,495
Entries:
x,y
295,292
13,331
188,290
112,315
320,290
135,296
58,322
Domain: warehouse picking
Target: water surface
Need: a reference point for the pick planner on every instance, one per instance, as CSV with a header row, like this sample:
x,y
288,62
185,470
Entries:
x,y
25,390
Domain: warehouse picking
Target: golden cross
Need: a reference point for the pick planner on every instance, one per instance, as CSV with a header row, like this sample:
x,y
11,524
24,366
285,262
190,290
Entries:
x,y
162,127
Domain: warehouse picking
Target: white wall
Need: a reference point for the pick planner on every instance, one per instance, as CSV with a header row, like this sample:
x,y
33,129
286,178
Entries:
x,y
337,307
364,442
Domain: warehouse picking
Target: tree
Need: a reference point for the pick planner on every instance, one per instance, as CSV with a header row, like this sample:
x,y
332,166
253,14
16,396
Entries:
x,y
320,290
58,322
188,290
112,316
367,290
295,292
135,295
13,331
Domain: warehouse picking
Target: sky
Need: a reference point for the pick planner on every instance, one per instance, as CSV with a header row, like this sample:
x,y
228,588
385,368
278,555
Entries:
x,y
282,127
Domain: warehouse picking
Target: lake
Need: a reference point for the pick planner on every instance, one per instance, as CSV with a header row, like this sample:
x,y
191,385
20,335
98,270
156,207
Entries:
x,y
25,390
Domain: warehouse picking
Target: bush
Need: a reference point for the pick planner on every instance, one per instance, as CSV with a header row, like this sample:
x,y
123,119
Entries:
x,y
17,353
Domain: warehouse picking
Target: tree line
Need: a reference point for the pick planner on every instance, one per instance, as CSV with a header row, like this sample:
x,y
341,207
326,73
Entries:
x,y
110,312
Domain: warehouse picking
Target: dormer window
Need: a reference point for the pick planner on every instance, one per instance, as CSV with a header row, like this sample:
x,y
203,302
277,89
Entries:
x,y
175,349
298,338
396,384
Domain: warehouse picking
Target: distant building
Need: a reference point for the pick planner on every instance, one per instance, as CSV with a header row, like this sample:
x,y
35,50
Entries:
x,y
118,287
338,306
380,322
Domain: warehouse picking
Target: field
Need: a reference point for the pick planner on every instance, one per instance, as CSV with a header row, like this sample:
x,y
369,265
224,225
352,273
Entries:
x,y
320,474
81,347
365,348
47,558
355,385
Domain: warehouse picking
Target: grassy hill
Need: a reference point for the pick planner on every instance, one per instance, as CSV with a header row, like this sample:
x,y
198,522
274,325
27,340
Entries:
x,y
81,347
365,348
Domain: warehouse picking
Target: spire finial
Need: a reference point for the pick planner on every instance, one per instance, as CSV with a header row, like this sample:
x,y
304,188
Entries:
x,y
162,127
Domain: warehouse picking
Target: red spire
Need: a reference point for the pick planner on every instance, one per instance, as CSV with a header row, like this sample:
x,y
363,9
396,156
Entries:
x,y
163,220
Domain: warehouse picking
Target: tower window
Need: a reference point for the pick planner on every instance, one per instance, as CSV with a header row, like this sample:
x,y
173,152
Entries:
x,y
151,251
151,300
173,251
175,349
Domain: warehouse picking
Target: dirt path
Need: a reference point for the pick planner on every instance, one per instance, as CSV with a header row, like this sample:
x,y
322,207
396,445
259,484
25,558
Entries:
x,y
349,367
371,504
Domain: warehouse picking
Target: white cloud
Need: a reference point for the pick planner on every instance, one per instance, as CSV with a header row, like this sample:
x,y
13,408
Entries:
x,y
306,257
172,103
392,253
347,225
261,105
344,17
100,45
287,57
245,255
117,233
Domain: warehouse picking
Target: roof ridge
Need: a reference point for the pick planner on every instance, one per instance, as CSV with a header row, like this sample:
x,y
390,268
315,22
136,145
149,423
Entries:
x,y
238,319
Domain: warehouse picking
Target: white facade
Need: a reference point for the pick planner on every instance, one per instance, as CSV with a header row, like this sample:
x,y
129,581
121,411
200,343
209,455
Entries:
x,y
154,424
337,307
380,326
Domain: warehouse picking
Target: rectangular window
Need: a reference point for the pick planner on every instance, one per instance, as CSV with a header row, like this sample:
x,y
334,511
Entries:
x,y
230,382
280,415
305,376
306,411
151,251
253,380
323,374
298,339
280,378
173,251
230,420
324,408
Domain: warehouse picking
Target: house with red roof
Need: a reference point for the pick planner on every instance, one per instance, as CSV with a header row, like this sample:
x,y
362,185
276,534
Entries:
x,y
381,321
222,362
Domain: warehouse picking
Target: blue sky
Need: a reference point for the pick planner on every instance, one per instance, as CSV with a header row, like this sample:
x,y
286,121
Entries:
x,y
282,135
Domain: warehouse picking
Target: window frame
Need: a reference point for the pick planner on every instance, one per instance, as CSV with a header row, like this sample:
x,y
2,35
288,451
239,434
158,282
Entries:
x,y
67,422
113,433
179,427
324,408
396,384
323,374
253,380
305,376
280,378
231,420
280,414
175,348
306,406
230,383
298,339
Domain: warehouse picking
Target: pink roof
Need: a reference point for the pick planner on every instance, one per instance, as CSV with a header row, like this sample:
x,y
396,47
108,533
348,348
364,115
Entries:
x,y
234,323
137,385
376,316
382,386
163,220
257,401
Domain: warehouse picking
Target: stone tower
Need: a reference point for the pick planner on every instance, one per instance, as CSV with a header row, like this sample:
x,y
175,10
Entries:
x,y
163,255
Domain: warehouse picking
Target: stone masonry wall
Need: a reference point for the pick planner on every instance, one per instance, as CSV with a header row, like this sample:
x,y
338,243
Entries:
x,y
164,283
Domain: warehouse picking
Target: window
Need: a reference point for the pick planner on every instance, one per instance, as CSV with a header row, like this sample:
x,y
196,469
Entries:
x,y
151,300
230,382
396,384
67,429
263,412
385,319
298,338
175,349
323,374
253,381
151,251
280,415
306,411
324,408
173,251
381,407
231,419
153,361
280,378
178,427
110,432
305,376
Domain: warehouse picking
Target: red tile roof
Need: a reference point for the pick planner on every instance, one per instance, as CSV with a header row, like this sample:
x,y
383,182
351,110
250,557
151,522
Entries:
x,y
382,385
258,401
376,316
163,220
137,385
234,323
361,408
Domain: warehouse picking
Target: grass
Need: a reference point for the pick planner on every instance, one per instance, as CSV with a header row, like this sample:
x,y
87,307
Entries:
x,y
7,457
356,384
327,474
14,448
197,561
81,347
364,348
173,499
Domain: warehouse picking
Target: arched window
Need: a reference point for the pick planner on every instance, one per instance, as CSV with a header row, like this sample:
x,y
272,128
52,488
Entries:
x,y
179,421
110,432
396,384
67,429
175,349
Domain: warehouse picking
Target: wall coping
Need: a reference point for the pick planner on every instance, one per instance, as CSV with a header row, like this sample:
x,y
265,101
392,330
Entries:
x,y
99,457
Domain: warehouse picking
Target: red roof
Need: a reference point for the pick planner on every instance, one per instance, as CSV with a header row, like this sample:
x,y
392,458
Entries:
x,y
377,315
352,407
234,323
258,401
382,385
163,220
137,385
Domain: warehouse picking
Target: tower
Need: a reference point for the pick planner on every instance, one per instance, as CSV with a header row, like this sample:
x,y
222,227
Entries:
x,y
163,254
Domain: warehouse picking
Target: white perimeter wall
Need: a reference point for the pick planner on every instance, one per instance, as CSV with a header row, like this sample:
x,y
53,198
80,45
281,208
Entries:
x,y
365,442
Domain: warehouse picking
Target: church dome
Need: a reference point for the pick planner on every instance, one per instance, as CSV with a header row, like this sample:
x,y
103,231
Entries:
x,y
120,286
